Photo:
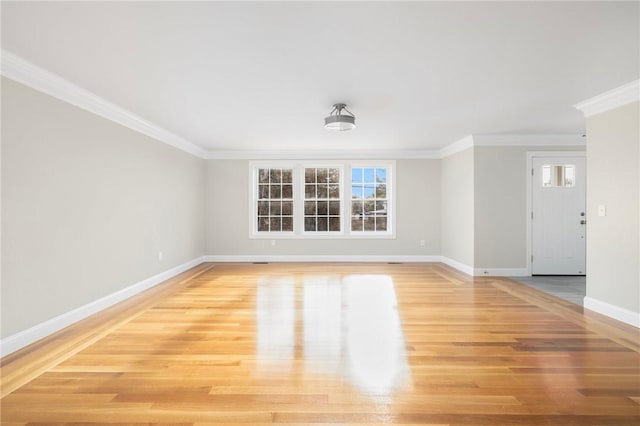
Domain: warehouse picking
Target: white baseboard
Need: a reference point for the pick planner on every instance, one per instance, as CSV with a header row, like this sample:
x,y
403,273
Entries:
x,y
457,265
26,337
322,258
612,311
501,272
484,272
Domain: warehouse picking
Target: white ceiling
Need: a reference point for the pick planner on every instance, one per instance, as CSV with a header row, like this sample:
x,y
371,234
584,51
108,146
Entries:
x,y
262,76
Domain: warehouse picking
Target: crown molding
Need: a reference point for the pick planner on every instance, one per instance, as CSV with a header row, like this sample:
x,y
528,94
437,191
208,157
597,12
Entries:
x,y
540,140
22,71
320,155
458,146
528,140
615,98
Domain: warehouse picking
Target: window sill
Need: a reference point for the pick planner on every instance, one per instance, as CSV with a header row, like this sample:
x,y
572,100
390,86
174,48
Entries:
x,y
341,236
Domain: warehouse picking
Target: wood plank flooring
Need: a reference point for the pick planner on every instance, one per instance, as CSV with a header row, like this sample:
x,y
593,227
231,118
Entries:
x,y
255,344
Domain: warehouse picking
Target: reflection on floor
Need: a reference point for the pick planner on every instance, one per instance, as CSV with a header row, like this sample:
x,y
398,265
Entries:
x,y
350,324
571,288
331,344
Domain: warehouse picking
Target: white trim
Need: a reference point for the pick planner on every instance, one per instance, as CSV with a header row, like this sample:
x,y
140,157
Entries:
x,y
345,167
556,154
26,337
529,192
484,272
612,311
342,235
615,98
501,272
320,155
22,71
494,272
455,147
457,265
541,140
529,140
322,258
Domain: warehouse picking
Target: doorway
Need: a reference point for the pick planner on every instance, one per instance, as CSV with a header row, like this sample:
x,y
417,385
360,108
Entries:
x,y
557,221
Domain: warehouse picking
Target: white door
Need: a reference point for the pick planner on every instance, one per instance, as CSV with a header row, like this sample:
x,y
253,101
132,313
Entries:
x,y
558,216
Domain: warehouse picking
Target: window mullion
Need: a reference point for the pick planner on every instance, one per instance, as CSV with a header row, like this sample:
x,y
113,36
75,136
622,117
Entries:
x,y
345,200
299,199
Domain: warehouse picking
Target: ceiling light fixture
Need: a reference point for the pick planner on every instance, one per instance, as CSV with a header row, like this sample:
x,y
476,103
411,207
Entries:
x,y
337,120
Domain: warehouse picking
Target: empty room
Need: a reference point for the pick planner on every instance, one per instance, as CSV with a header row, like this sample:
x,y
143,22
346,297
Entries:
x,y
320,213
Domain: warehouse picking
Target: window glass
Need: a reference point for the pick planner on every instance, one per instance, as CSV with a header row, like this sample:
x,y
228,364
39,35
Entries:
x,y
274,203
558,175
322,199
369,199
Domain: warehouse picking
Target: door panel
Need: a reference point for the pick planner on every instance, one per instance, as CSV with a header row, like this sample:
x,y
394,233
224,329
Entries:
x,y
559,220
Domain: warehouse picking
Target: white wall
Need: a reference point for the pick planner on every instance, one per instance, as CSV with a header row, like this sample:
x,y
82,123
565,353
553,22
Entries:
x,y
417,210
613,241
457,207
86,206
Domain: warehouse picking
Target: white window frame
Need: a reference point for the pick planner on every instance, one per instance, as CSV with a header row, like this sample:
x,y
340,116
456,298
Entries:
x,y
391,198
301,191
345,167
253,200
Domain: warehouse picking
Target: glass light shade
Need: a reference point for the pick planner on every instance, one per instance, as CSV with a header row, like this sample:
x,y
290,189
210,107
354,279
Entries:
x,y
339,122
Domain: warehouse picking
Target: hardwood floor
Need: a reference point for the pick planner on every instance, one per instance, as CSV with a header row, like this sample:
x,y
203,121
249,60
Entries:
x,y
331,344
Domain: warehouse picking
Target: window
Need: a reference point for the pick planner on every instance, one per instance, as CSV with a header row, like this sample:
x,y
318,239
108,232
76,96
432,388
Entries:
x,y
369,199
322,199
330,199
555,176
275,200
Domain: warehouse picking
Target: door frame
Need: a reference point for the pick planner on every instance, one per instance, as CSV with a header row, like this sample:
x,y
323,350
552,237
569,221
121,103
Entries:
x,y
530,156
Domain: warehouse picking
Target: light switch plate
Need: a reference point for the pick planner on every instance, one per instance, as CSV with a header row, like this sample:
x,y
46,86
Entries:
x,y
602,210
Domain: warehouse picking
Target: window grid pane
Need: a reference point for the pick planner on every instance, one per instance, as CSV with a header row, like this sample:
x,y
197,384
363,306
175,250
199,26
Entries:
x,y
369,199
274,212
322,199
